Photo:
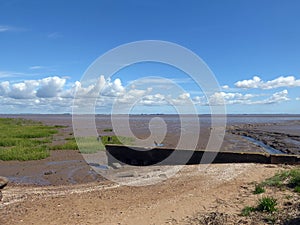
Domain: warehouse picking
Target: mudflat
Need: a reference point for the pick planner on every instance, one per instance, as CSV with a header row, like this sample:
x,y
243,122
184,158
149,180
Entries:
x,y
69,166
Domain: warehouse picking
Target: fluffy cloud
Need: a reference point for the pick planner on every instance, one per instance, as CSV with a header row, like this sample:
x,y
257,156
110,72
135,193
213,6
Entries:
x,y
50,87
44,88
56,95
256,82
23,90
220,98
113,89
182,99
157,99
133,95
276,97
4,87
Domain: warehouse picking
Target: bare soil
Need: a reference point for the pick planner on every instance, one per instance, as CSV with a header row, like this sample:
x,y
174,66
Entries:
x,y
215,195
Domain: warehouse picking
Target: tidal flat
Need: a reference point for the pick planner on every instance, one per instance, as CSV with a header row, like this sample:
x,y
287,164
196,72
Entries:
x,y
63,163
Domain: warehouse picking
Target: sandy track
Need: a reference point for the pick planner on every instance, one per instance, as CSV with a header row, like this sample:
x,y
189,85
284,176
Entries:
x,y
219,188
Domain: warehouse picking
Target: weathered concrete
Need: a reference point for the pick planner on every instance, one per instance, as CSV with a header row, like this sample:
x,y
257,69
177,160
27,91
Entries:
x,y
143,157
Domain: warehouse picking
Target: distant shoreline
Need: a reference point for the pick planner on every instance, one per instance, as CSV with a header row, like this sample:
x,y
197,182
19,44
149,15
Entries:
x,y
155,114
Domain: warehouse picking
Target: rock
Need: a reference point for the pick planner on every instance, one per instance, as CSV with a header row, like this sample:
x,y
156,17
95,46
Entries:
x,y
163,175
128,174
48,172
116,166
3,182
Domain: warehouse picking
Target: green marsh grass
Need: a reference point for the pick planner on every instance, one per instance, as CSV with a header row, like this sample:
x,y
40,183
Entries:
x,y
22,139
91,144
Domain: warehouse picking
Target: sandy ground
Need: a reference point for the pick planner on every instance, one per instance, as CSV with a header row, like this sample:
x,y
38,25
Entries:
x,y
219,188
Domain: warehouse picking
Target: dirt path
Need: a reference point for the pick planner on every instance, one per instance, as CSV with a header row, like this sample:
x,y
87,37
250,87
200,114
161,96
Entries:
x,y
222,188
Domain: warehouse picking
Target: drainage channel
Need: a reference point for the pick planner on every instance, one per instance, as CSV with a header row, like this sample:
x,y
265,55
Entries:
x,y
264,146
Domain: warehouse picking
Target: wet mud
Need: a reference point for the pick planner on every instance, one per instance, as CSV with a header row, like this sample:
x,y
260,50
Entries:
x,y
283,137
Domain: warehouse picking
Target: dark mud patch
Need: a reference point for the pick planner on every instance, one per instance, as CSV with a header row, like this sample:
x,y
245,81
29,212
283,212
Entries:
x,y
61,168
271,136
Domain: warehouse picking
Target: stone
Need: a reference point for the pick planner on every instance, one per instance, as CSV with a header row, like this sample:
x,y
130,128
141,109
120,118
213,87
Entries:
x,y
163,175
3,182
116,166
48,172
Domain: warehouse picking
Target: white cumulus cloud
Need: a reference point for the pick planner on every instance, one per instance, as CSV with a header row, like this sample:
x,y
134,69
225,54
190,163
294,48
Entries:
x,y
257,82
220,98
276,97
50,87
23,90
4,87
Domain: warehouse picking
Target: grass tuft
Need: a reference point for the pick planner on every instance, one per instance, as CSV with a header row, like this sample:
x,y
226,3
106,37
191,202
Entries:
x,y
259,189
247,210
277,180
289,178
267,204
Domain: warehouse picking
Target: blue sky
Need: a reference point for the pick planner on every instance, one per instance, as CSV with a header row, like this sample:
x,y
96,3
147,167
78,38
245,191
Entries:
x,y
251,46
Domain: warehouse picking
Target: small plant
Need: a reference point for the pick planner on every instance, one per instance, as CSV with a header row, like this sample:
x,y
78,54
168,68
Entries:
x,y
267,204
297,189
277,180
290,178
247,210
259,189
295,179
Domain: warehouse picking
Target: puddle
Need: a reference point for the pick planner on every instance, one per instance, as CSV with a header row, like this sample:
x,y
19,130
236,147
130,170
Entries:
x,y
264,146
63,162
29,180
99,166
